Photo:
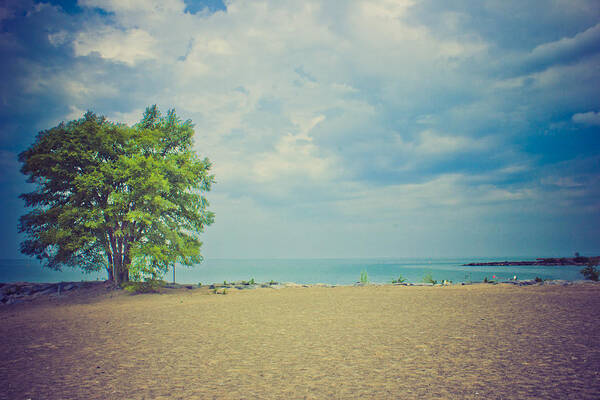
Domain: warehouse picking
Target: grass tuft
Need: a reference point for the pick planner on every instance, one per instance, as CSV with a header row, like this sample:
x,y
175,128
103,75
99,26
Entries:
x,y
364,277
429,279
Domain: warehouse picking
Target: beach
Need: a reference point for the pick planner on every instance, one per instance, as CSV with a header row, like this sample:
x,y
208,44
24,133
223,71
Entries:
x,y
377,341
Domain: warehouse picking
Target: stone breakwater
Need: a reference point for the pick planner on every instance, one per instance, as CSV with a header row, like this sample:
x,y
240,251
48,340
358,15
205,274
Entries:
x,y
546,262
19,292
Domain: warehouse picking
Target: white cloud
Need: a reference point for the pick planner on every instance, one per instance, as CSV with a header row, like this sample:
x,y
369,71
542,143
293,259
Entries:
x,y
137,6
58,38
568,49
432,143
588,118
127,46
295,157
386,9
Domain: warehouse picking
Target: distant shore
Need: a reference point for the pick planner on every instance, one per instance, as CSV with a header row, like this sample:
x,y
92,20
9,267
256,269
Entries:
x,y
546,262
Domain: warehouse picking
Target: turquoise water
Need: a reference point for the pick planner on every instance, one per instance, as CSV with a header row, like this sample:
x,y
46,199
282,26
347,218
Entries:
x,y
332,271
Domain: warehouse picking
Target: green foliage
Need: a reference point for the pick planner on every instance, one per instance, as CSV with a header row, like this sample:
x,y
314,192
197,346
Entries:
x,y
400,279
429,279
252,281
591,272
364,277
128,199
149,286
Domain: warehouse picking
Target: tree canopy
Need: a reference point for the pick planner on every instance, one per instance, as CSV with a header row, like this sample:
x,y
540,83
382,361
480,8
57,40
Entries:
x,y
127,199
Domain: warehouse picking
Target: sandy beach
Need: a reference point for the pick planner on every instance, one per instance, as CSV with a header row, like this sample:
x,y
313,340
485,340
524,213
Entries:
x,y
456,342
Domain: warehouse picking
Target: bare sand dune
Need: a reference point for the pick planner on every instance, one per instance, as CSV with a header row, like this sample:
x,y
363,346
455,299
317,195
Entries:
x,y
480,341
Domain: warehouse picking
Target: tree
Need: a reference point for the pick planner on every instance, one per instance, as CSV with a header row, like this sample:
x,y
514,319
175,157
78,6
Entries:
x,y
129,199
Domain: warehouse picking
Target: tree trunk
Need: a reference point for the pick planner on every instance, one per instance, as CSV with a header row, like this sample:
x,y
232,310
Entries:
x,y
109,270
123,276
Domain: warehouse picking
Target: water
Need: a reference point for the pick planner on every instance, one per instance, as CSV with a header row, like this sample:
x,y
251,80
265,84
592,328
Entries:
x,y
332,271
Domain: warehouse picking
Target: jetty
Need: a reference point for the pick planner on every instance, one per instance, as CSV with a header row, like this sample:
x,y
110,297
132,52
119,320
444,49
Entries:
x,y
547,262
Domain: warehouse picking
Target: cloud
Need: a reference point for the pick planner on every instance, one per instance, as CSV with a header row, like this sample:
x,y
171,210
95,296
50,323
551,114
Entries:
x,y
588,118
113,44
334,112
567,50
431,142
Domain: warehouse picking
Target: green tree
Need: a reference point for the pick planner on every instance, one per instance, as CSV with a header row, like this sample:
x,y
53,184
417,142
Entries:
x,y
127,199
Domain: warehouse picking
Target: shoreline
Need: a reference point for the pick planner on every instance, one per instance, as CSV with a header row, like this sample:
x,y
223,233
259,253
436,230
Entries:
x,y
28,292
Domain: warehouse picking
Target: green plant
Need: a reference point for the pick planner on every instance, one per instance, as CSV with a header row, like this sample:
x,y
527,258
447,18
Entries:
x,y
400,279
591,272
364,277
199,284
429,279
252,281
148,286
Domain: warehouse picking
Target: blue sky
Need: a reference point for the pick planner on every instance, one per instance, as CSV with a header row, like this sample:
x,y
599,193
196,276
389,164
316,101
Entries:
x,y
336,129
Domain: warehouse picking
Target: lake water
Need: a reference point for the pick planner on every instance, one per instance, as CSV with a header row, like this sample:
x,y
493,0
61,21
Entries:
x,y
332,271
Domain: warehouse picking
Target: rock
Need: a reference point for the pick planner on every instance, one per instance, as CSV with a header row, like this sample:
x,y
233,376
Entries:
x,y
36,295
13,300
9,289
278,286
527,282
48,290
581,281
557,282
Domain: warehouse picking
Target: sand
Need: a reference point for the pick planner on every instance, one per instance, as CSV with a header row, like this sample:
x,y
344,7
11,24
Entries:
x,y
457,342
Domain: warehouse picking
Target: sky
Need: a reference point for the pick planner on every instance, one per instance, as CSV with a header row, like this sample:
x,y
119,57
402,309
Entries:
x,y
372,128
